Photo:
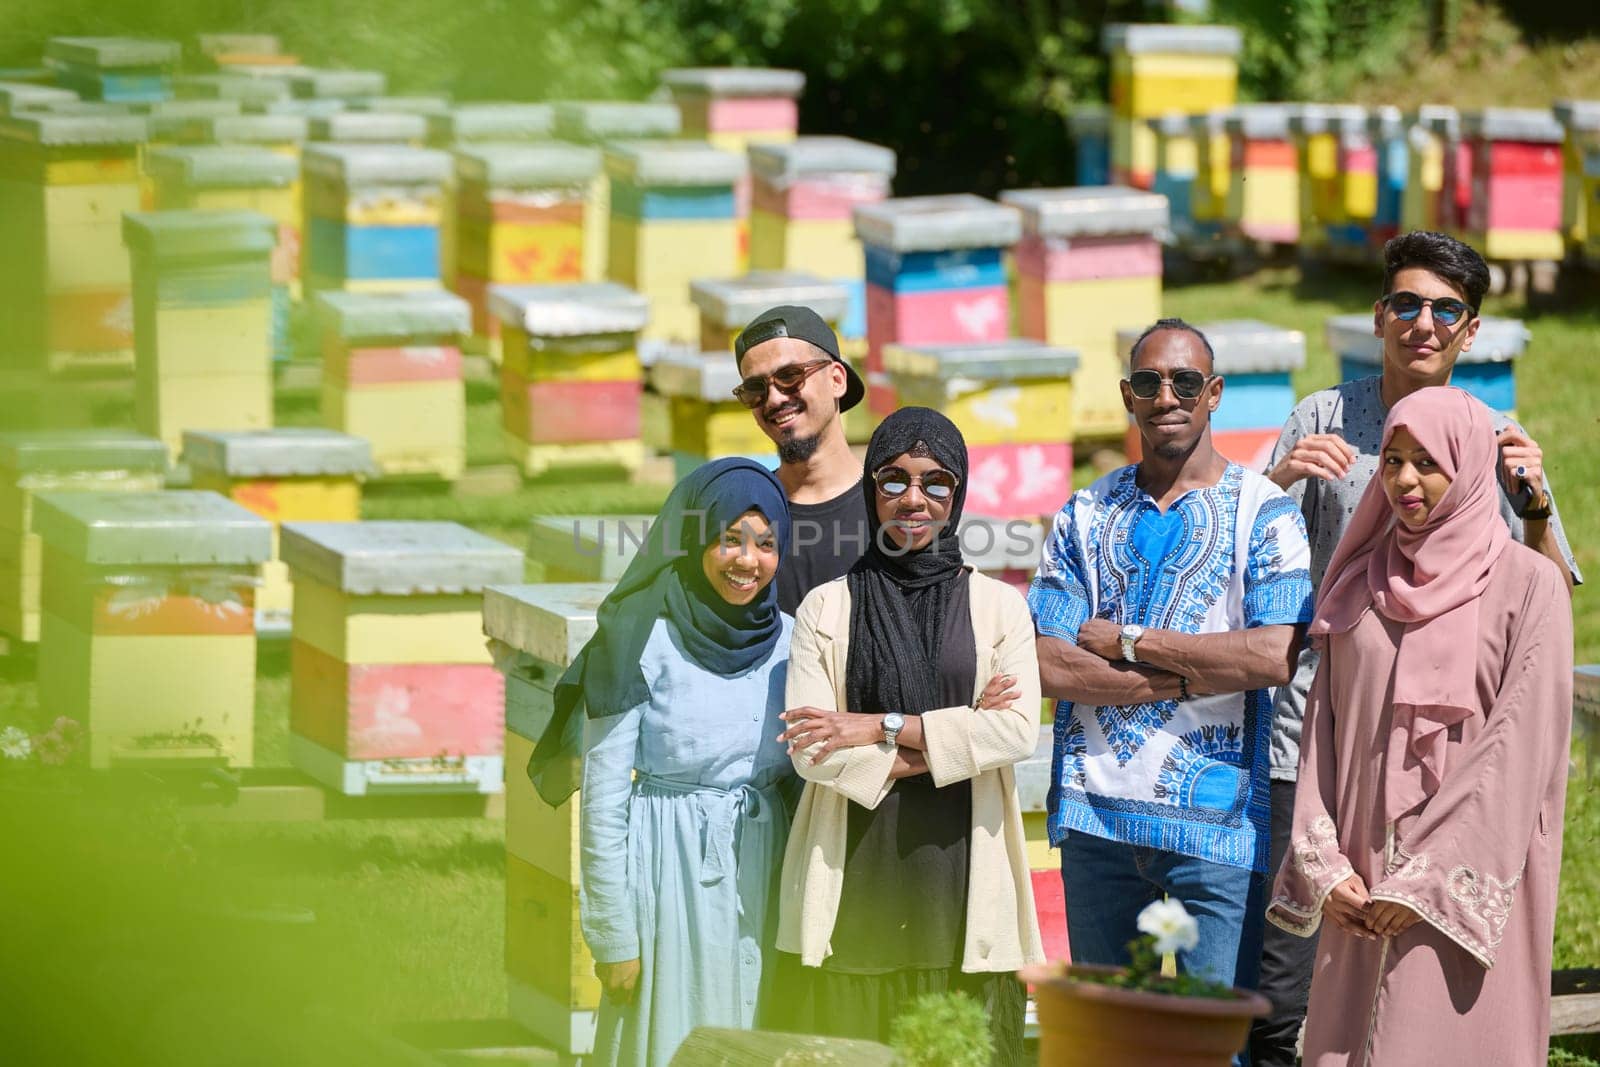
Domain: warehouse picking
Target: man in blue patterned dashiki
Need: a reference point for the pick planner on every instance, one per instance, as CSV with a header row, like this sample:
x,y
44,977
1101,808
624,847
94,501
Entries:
x,y
1171,598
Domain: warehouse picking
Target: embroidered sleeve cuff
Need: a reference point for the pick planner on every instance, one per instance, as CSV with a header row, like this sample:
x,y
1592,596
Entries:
x,y
1481,953
1057,613
1303,916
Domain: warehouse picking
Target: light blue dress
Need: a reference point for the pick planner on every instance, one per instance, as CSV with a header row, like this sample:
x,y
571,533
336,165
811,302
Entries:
x,y
683,834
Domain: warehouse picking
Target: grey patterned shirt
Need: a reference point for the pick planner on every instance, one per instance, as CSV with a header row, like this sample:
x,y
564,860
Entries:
x,y
1355,412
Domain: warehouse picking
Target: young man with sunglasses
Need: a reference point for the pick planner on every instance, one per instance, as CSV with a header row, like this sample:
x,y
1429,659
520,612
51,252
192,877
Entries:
x,y
1171,599
797,387
1426,316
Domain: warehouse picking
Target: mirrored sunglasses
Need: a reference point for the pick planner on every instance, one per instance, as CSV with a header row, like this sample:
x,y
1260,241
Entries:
x,y
1447,310
937,484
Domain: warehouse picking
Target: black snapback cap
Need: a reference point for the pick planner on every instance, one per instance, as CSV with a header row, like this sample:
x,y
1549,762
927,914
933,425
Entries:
x,y
803,324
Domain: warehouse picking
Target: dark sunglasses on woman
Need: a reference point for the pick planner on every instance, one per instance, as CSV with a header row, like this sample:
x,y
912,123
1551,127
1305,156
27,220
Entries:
x,y
1186,384
752,392
1447,310
937,484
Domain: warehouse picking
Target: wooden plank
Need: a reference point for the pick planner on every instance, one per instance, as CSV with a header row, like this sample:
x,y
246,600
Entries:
x,y
710,1047
1575,1013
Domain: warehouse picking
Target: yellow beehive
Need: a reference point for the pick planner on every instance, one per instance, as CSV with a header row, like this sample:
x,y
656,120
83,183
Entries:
x,y
1156,69
1263,202
1581,118
296,474
147,636
597,123
1010,392
1419,208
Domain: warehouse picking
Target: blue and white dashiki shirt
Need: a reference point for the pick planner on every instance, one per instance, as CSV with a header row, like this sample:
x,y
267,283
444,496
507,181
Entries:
x,y
1186,777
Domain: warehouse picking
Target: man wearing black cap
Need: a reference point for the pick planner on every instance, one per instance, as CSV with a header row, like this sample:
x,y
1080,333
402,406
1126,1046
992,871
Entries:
x,y
797,386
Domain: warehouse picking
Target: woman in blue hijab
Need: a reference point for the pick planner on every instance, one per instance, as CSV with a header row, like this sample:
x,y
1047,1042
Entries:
x,y
674,705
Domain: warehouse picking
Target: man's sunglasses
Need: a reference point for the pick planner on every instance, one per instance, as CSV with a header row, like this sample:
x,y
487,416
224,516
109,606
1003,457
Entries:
x,y
1447,310
1186,384
937,484
752,392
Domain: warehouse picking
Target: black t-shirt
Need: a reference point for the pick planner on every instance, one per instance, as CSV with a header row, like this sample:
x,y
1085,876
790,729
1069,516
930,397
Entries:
x,y
828,539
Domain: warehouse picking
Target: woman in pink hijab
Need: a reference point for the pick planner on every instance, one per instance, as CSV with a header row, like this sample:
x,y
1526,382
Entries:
x,y
1433,768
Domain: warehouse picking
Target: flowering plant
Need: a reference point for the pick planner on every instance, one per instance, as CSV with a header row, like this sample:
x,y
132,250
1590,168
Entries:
x,y
54,747
1167,927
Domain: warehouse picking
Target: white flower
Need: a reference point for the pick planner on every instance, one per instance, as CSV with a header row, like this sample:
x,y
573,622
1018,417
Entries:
x,y
1174,929
15,743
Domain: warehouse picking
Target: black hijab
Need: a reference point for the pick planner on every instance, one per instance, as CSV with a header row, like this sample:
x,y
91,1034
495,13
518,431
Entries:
x,y
898,598
666,579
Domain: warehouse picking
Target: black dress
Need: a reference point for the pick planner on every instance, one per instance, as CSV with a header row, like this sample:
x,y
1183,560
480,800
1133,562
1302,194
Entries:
x,y
901,925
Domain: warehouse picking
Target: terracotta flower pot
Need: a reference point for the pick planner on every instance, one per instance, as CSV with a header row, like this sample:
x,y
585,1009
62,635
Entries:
x,y
1086,1023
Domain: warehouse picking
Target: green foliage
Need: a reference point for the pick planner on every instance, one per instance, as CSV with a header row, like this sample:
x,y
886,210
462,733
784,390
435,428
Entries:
x,y
942,1030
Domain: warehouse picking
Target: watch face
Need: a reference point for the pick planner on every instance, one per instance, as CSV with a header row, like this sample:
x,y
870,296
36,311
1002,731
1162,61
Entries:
x,y
1132,631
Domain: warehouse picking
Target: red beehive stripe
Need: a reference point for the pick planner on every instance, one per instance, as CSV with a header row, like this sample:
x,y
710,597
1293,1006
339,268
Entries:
x,y
546,412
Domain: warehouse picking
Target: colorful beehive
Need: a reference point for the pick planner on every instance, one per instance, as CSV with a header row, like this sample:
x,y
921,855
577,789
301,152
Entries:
x,y
1033,776
1387,129
370,127
934,276
305,109
586,548
24,96
230,49
241,178
1455,190
506,122
1263,182
570,379
1014,403
124,69
1177,157
392,373
168,121
1090,128
804,193
538,631
1581,120
1348,223
1208,197
202,311
426,106
1258,360
733,108
1515,210
391,687
296,474
372,217
1089,265
147,628
705,421
673,219
1005,549
520,214
65,182
1317,158
1160,68
1486,370
1425,167
315,84
599,123
56,461
1591,199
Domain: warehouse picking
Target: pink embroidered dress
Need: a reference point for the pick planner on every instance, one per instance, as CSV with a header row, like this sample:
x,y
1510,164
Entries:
x,y
1434,765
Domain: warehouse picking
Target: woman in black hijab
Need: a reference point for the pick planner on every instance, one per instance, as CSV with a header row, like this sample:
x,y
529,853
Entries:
x,y
913,688
674,704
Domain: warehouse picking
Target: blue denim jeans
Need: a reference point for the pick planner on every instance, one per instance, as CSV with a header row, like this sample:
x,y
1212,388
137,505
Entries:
x,y
1108,883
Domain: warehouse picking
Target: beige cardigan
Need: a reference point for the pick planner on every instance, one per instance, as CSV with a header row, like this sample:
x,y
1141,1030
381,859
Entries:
x,y
962,743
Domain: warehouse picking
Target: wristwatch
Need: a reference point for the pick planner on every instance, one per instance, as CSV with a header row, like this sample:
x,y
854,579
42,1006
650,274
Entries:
x,y
1129,637
1538,507
893,723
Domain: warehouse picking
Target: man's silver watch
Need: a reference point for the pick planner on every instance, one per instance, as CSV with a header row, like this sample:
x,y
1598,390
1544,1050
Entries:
x,y
893,723
1129,637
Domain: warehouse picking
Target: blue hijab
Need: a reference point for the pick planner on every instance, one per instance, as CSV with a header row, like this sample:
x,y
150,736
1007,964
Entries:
x,y
666,579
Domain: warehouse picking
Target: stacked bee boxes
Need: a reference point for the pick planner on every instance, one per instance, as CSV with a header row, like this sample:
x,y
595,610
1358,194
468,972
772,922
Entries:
x,y
586,548
1486,370
1425,168
233,49
804,195
935,275
295,474
1089,265
147,628
392,374
67,180
1317,153
1177,161
122,69
25,96
570,377
372,215
1014,403
673,219
599,123
1515,209
370,127
1581,120
391,687
520,220
734,108
202,321
549,972
1349,224
1387,128
309,83
1208,197
1090,128
1159,68
249,92
58,461
1263,185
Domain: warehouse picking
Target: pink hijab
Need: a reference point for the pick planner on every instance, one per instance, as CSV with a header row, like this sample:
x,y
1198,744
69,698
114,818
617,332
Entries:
x,y
1430,579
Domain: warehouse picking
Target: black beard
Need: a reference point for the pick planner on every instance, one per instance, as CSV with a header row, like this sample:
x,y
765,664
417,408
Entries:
x,y
798,449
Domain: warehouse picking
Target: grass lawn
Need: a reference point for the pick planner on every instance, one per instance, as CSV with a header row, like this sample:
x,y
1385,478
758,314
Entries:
x,y
408,913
